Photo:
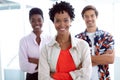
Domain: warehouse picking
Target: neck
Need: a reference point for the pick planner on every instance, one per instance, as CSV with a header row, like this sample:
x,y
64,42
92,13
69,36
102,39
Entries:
x,y
37,33
63,38
91,29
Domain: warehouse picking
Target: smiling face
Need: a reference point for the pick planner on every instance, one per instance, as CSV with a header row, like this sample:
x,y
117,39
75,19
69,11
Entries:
x,y
90,18
36,22
62,22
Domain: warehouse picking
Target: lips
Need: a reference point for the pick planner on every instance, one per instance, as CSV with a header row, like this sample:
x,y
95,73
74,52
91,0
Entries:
x,y
89,22
37,27
62,29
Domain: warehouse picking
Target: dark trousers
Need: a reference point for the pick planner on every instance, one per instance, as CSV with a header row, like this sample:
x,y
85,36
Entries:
x,y
33,76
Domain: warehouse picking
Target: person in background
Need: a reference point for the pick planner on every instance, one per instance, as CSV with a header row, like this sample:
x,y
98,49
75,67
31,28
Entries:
x,y
65,57
101,44
30,45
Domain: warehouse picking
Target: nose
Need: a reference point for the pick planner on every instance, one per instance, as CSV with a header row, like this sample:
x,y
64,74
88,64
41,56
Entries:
x,y
89,18
62,24
37,23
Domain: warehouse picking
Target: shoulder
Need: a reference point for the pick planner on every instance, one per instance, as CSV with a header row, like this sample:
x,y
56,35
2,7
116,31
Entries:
x,y
83,42
49,43
81,45
103,32
79,35
25,38
80,42
46,38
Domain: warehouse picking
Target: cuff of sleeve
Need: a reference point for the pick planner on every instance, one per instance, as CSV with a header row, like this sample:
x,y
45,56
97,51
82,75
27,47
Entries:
x,y
76,75
72,75
32,68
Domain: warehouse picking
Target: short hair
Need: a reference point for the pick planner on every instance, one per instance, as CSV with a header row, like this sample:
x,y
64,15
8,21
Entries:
x,y
60,7
35,11
89,7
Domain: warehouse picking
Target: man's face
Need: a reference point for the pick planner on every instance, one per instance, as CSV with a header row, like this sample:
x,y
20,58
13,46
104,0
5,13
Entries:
x,y
90,18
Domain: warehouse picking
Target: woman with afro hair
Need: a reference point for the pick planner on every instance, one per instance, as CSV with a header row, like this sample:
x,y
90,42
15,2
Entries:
x,y
64,57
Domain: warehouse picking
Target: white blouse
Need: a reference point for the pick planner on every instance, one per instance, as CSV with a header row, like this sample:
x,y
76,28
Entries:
x,y
28,47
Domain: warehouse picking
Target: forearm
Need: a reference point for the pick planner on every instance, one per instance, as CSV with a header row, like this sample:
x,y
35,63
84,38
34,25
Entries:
x,y
33,60
106,58
94,64
27,66
83,71
82,74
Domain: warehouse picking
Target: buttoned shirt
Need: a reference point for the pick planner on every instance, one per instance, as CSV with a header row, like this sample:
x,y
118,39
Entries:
x,y
29,48
80,53
103,41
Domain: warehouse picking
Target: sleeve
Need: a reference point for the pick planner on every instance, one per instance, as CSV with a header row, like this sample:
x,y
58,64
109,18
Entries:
x,y
23,58
85,72
109,41
43,68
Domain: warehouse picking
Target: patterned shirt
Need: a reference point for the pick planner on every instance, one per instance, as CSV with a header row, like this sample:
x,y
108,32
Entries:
x,y
103,41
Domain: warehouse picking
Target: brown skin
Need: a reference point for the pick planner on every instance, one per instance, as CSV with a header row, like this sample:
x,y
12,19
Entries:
x,y
62,23
79,67
106,58
36,20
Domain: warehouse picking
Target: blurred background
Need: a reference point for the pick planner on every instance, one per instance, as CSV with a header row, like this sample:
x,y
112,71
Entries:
x,y
14,24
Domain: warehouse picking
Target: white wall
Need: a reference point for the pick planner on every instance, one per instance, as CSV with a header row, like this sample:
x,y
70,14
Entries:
x,y
0,67
117,69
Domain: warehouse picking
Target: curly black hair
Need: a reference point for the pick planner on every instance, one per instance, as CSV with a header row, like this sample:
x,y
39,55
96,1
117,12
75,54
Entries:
x,y
60,7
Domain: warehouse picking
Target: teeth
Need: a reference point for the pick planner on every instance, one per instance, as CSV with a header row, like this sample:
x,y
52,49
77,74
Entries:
x,y
62,29
90,22
37,27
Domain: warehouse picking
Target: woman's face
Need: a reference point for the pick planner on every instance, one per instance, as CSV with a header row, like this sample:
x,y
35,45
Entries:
x,y
62,22
36,22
